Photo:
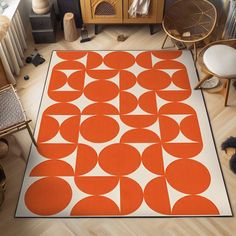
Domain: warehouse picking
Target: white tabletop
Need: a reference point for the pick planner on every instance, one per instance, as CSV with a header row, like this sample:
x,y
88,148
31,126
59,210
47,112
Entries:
x,y
11,9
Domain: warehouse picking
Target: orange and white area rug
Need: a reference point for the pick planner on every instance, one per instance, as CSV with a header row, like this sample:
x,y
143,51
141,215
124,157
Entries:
x,y
122,134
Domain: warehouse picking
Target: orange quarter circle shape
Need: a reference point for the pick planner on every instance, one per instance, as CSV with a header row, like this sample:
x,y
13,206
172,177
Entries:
x,y
156,196
96,185
194,205
69,65
131,195
100,108
96,206
52,168
86,159
144,60
127,80
57,80
94,60
167,55
71,55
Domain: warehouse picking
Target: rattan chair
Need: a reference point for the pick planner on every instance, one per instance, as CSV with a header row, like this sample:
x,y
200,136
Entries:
x,y
210,74
189,21
12,115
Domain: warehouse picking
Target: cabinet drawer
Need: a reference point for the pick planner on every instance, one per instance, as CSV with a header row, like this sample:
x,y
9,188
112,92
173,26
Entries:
x,y
102,11
44,36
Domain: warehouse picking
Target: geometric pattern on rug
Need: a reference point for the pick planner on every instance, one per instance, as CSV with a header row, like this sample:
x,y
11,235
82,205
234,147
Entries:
x,y
121,133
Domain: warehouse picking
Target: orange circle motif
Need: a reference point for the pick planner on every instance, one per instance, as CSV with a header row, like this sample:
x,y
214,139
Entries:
x,y
101,91
99,129
48,196
119,159
119,60
188,176
154,79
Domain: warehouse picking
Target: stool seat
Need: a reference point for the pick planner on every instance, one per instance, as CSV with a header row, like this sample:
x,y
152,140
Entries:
x,y
220,60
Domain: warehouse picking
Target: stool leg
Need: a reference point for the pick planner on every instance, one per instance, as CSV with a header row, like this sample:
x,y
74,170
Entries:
x,y
227,91
31,135
208,76
164,42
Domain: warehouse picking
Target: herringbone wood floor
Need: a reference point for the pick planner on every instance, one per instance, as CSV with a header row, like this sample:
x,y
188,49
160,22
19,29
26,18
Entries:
x,y
223,121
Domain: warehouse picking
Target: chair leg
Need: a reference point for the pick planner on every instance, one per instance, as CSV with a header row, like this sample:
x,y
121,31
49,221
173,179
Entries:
x,y
195,52
151,28
227,92
208,76
164,42
31,135
2,185
2,196
97,29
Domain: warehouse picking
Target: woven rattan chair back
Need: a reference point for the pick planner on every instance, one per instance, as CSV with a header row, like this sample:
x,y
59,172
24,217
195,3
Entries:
x,y
190,20
12,115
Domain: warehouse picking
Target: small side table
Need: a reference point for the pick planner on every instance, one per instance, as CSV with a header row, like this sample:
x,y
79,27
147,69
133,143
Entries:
x,y
44,26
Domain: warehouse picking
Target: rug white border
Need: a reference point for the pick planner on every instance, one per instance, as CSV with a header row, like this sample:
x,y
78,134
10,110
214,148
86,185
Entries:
x,y
217,192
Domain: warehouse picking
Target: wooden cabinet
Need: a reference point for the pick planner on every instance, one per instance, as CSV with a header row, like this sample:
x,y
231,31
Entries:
x,y
99,11
153,17
116,11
